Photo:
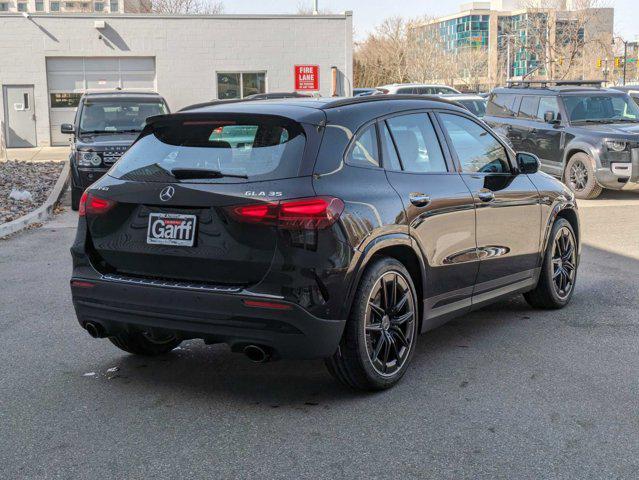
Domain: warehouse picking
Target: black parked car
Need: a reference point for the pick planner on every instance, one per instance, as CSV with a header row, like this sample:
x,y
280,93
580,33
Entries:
x,y
332,228
106,124
586,135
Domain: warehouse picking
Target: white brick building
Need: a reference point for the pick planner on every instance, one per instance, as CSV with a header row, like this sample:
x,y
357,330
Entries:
x,y
48,60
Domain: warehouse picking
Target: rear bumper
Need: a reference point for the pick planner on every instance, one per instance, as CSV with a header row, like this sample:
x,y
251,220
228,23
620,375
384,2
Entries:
x,y
215,316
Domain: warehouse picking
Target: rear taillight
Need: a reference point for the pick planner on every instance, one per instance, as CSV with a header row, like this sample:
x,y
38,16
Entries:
x,y
313,213
92,205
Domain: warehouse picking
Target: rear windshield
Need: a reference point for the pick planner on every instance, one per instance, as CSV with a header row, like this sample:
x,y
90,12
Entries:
x,y
118,115
477,107
224,150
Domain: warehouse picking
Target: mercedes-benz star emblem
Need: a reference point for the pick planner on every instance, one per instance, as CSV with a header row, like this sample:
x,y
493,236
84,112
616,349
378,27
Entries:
x,y
167,193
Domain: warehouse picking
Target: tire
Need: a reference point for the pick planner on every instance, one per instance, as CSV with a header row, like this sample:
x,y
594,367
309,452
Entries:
x,y
547,294
580,177
76,195
141,343
364,360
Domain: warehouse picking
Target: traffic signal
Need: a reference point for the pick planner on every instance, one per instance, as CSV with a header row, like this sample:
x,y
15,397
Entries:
x,y
617,62
599,63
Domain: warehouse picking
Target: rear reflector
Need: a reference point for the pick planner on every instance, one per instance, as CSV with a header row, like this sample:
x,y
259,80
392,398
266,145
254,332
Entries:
x,y
81,284
314,213
269,305
92,205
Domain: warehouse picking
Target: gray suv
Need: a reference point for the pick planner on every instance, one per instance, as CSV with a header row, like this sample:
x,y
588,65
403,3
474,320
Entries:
x,y
586,135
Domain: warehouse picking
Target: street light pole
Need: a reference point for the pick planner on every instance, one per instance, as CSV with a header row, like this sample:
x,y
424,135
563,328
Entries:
x,y
625,60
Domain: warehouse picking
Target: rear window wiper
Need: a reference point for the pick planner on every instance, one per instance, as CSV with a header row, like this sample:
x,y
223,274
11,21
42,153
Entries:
x,y
195,173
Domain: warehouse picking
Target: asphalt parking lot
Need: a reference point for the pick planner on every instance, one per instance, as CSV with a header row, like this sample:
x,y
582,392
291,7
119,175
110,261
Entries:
x,y
506,392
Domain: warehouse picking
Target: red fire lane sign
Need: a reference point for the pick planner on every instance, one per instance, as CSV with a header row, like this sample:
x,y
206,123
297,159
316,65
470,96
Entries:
x,y
307,77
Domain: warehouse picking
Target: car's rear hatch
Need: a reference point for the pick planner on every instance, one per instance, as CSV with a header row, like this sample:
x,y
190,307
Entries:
x,y
190,200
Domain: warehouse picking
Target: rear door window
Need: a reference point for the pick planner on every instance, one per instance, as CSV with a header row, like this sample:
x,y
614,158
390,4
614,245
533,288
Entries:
x,y
528,107
417,143
364,151
501,105
238,150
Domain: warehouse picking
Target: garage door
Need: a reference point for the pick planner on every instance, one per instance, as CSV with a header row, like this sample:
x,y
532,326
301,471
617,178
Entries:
x,y
69,77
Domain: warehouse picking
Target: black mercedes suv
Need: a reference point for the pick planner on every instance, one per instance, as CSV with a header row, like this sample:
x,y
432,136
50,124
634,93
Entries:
x,y
317,228
106,124
586,135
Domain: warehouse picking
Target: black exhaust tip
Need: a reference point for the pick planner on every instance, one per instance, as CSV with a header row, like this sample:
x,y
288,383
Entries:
x,y
94,329
257,354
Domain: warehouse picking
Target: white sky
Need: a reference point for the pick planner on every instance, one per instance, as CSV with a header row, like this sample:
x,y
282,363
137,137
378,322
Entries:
x,y
368,13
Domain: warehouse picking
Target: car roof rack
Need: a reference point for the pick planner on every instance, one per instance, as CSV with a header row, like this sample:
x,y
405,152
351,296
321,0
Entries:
x,y
343,102
554,83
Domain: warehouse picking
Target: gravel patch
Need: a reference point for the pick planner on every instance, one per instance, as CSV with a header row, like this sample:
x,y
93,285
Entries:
x,y
19,177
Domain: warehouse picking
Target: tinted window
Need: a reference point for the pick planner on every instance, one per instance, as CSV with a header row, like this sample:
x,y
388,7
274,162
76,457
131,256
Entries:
x,y
548,104
417,144
118,115
476,107
476,148
406,90
444,90
529,106
391,160
501,105
363,151
600,108
259,150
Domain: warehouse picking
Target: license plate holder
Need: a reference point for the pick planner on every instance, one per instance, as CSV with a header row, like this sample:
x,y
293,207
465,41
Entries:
x,y
175,229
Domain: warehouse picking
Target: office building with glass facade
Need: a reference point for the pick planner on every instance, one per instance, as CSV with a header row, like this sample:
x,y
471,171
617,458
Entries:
x,y
503,28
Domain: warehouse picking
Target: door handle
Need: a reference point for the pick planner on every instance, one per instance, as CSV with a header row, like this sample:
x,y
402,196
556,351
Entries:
x,y
486,195
419,199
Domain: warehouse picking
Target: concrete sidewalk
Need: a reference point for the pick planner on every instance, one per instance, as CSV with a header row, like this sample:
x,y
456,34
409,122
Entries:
x,y
37,154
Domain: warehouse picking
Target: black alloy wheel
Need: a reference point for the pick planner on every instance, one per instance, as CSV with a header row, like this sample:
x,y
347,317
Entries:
x,y
564,262
380,335
390,323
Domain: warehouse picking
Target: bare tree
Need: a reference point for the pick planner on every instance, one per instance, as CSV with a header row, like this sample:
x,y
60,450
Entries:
x,y
560,40
306,8
183,7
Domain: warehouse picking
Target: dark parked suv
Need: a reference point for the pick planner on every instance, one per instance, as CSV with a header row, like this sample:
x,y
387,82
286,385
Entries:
x,y
106,124
317,228
585,135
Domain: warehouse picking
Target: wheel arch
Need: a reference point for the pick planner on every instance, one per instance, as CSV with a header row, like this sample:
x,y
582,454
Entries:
x,y
579,147
401,248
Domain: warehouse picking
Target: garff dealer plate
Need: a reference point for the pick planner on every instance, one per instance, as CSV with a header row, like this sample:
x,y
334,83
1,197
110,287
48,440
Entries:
x,y
171,229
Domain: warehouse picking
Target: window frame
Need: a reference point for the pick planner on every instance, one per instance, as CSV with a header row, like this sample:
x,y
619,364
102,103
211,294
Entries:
x,y
560,109
448,159
529,119
351,146
510,155
241,73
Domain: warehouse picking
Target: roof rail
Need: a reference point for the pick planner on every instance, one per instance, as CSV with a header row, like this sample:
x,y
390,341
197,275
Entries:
x,y
343,102
555,83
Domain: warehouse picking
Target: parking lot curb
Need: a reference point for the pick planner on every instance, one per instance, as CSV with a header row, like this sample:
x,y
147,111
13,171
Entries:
x,y
43,212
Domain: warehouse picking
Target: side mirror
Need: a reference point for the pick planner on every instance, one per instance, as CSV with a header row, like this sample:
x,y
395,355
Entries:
x,y
67,128
528,163
549,117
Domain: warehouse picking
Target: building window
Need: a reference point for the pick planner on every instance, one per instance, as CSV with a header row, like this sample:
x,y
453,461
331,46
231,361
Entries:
x,y
99,6
39,6
54,6
4,7
240,84
114,6
69,5
22,7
